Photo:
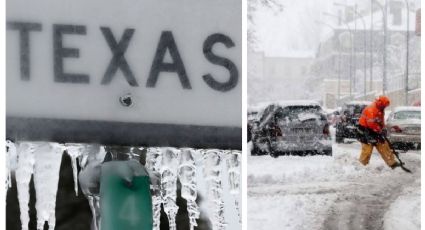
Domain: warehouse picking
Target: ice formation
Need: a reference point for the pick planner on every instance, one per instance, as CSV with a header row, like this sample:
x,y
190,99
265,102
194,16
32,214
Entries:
x,y
153,160
233,165
23,173
46,178
11,162
168,171
186,173
165,165
90,160
75,151
212,173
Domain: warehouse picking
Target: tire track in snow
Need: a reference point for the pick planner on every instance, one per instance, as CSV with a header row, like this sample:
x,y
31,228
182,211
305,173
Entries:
x,y
364,207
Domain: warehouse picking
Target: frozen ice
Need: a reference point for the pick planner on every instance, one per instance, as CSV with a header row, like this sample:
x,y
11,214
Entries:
x,y
212,172
23,174
153,160
186,173
233,165
89,178
11,162
75,151
164,165
168,172
46,178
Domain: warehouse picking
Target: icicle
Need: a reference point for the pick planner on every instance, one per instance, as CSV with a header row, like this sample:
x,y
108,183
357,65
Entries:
x,y
23,174
92,155
186,173
168,172
75,151
48,158
11,162
153,160
233,163
212,160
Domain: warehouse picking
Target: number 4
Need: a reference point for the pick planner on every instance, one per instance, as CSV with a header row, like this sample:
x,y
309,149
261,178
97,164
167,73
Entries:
x,y
129,211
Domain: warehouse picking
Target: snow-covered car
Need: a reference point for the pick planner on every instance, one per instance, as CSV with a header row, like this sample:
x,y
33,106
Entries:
x,y
254,112
292,127
346,126
404,127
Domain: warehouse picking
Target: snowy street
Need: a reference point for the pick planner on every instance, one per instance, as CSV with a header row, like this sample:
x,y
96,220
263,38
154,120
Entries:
x,y
322,193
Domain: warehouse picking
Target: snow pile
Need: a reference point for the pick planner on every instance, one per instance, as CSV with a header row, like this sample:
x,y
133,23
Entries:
x,y
405,212
300,212
296,169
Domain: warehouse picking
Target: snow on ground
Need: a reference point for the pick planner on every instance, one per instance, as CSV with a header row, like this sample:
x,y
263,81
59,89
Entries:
x,y
404,213
297,169
292,192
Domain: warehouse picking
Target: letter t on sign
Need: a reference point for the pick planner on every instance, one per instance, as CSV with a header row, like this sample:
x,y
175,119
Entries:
x,y
24,29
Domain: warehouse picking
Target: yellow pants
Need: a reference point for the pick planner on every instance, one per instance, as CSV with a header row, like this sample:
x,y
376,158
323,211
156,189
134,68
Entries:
x,y
383,149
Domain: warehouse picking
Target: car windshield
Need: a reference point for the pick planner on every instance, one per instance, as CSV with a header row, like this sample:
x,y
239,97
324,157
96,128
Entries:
x,y
405,115
304,112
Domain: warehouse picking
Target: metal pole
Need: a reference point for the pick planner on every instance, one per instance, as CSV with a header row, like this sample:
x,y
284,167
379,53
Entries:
x,y
384,70
354,51
339,61
339,72
351,50
356,13
406,88
371,46
384,56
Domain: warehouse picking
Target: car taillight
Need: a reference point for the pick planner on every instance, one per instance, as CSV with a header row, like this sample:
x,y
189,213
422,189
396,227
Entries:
x,y
326,131
396,129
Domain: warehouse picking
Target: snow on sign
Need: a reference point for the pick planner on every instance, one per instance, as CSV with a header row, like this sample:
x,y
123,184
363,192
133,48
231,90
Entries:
x,y
153,72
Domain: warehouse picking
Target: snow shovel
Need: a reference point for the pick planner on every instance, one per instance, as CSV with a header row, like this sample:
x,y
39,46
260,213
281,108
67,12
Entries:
x,y
397,155
125,205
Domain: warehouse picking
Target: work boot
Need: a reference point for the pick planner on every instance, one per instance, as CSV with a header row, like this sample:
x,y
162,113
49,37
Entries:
x,y
395,165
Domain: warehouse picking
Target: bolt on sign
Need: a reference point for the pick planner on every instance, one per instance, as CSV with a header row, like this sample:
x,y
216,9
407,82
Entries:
x,y
152,72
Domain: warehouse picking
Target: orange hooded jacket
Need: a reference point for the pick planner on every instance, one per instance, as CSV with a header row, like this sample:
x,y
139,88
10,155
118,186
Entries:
x,y
373,115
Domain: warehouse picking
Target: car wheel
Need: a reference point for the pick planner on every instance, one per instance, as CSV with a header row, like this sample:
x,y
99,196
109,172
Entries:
x,y
257,151
274,154
339,139
327,152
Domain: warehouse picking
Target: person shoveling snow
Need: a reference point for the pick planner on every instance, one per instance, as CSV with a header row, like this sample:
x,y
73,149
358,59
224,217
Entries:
x,y
372,133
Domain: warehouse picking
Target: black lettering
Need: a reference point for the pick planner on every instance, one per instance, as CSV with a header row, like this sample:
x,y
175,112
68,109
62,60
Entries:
x,y
226,63
167,42
61,52
24,29
118,59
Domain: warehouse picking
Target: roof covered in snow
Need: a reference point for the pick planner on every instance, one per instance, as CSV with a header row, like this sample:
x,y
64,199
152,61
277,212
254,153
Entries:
x,y
358,103
406,108
294,103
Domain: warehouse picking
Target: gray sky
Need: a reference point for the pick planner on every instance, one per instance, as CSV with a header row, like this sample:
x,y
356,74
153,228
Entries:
x,y
293,32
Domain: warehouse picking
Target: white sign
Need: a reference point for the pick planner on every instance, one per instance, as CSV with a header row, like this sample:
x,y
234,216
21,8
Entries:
x,y
151,61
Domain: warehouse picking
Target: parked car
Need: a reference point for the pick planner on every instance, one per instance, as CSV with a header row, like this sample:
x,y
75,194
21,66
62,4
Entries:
x,y
297,127
404,127
346,125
